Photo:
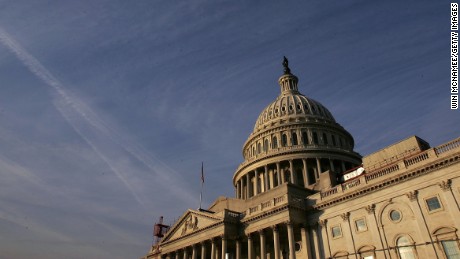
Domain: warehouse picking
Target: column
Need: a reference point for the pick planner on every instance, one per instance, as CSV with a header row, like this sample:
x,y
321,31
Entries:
x,y
291,168
177,254
256,182
263,253
374,229
318,166
449,197
238,249
276,242
266,178
423,228
272,183
283,179
278,173
290,230
213,248
346,231
248,184
241,188
306,241
185,253
316,243
331,163
224,246
203,250
324,238
194,251
250,248
304,171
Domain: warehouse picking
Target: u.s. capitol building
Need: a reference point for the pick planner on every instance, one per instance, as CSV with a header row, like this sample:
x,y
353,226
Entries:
x,y
303,192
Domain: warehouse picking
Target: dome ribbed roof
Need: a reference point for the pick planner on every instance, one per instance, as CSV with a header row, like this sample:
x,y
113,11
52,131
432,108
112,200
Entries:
x,y
292,106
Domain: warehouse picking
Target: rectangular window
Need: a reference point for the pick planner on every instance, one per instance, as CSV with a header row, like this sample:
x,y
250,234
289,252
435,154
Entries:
x,y
336,232
360,225
433,203
451,249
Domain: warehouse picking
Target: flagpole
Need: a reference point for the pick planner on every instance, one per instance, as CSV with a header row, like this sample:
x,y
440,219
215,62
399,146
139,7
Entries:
x,y
202,181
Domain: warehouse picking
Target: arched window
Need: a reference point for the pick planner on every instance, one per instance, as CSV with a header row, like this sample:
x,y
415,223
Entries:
x,y
334,143
284,140
274,142
304,138
294,139
258,148
405,249
315,138
265,145
325,139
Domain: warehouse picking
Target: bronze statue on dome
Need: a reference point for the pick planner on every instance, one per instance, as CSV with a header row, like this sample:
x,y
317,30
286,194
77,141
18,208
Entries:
x,y
286,66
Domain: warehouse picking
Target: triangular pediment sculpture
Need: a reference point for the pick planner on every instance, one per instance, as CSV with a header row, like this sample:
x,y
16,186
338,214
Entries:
x,y
190,222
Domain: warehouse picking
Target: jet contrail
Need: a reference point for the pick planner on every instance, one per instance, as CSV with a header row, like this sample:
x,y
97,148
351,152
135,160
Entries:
x,y
79,115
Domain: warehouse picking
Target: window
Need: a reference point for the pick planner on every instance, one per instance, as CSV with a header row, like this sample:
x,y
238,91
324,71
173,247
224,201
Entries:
x,y
360,225
395,216
274,142
334,143
405,249
304,138
265,145
283,140
325,139
336,232
315,138
258,148
450,248
294,139
433,203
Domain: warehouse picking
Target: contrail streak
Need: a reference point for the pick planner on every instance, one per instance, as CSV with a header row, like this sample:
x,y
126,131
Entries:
x,y
78,115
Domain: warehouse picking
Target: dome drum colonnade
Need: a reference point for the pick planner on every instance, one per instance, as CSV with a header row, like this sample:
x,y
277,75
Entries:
x,y
295,139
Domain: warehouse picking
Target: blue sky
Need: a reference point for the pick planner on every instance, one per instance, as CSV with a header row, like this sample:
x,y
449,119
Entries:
x,y
108,108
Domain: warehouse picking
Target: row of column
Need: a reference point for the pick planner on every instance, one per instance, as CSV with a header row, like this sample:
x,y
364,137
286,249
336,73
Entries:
x,y
262,179
216,253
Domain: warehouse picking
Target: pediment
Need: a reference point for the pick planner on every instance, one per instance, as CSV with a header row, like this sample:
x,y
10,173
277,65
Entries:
x,y
190,222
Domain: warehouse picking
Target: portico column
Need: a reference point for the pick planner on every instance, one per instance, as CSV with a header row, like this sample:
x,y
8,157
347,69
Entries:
x,y
290,230
250,248
185,253
238,249
193,251
224,246
304,171
177,254
213,248
276,242
203,250
263,253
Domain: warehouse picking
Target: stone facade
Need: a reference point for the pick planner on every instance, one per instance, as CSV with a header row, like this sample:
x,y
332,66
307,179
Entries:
x,y
291,200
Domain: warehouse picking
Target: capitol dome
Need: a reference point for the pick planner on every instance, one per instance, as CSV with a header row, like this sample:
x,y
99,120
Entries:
x,y
295,140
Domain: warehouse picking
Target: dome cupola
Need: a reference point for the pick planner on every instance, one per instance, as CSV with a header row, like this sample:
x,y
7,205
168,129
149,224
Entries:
x,y
295,140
